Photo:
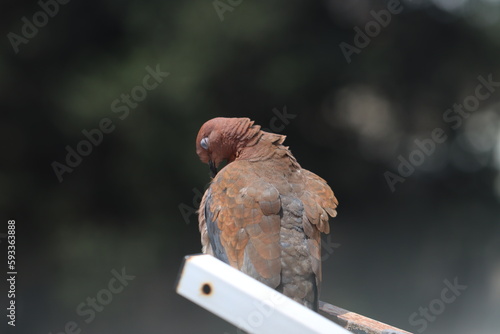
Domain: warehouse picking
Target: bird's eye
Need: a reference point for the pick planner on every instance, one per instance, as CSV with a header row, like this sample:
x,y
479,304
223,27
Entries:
x,y
204,143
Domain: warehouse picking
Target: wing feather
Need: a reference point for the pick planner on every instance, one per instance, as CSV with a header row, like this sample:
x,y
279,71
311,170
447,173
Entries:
x,y
241,222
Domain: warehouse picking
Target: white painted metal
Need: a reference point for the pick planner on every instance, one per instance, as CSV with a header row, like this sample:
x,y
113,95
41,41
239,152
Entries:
x,y
245,302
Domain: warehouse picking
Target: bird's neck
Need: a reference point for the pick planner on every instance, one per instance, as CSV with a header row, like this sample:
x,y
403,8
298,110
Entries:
x,y
268,146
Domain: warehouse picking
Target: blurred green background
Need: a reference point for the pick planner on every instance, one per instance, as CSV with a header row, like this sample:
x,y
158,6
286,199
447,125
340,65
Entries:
x,y
130,202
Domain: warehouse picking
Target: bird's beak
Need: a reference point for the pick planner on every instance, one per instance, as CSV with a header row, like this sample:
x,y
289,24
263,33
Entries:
x,y
213,168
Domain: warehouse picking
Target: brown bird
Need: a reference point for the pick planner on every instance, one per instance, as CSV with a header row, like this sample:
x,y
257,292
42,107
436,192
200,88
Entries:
x,y
262,213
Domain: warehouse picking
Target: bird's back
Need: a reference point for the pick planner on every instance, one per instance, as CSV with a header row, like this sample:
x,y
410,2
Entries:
x,y
265,218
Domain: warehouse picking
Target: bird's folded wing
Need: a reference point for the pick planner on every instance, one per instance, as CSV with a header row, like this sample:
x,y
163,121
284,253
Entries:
x,y
239,218
319,203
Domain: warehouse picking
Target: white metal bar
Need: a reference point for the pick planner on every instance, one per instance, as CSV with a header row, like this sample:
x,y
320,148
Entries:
x,y
245,302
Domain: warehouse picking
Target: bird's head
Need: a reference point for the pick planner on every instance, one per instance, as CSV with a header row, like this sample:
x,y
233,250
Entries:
x,y
222,139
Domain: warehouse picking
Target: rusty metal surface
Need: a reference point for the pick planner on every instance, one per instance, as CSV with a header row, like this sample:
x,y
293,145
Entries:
x,y
357,323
